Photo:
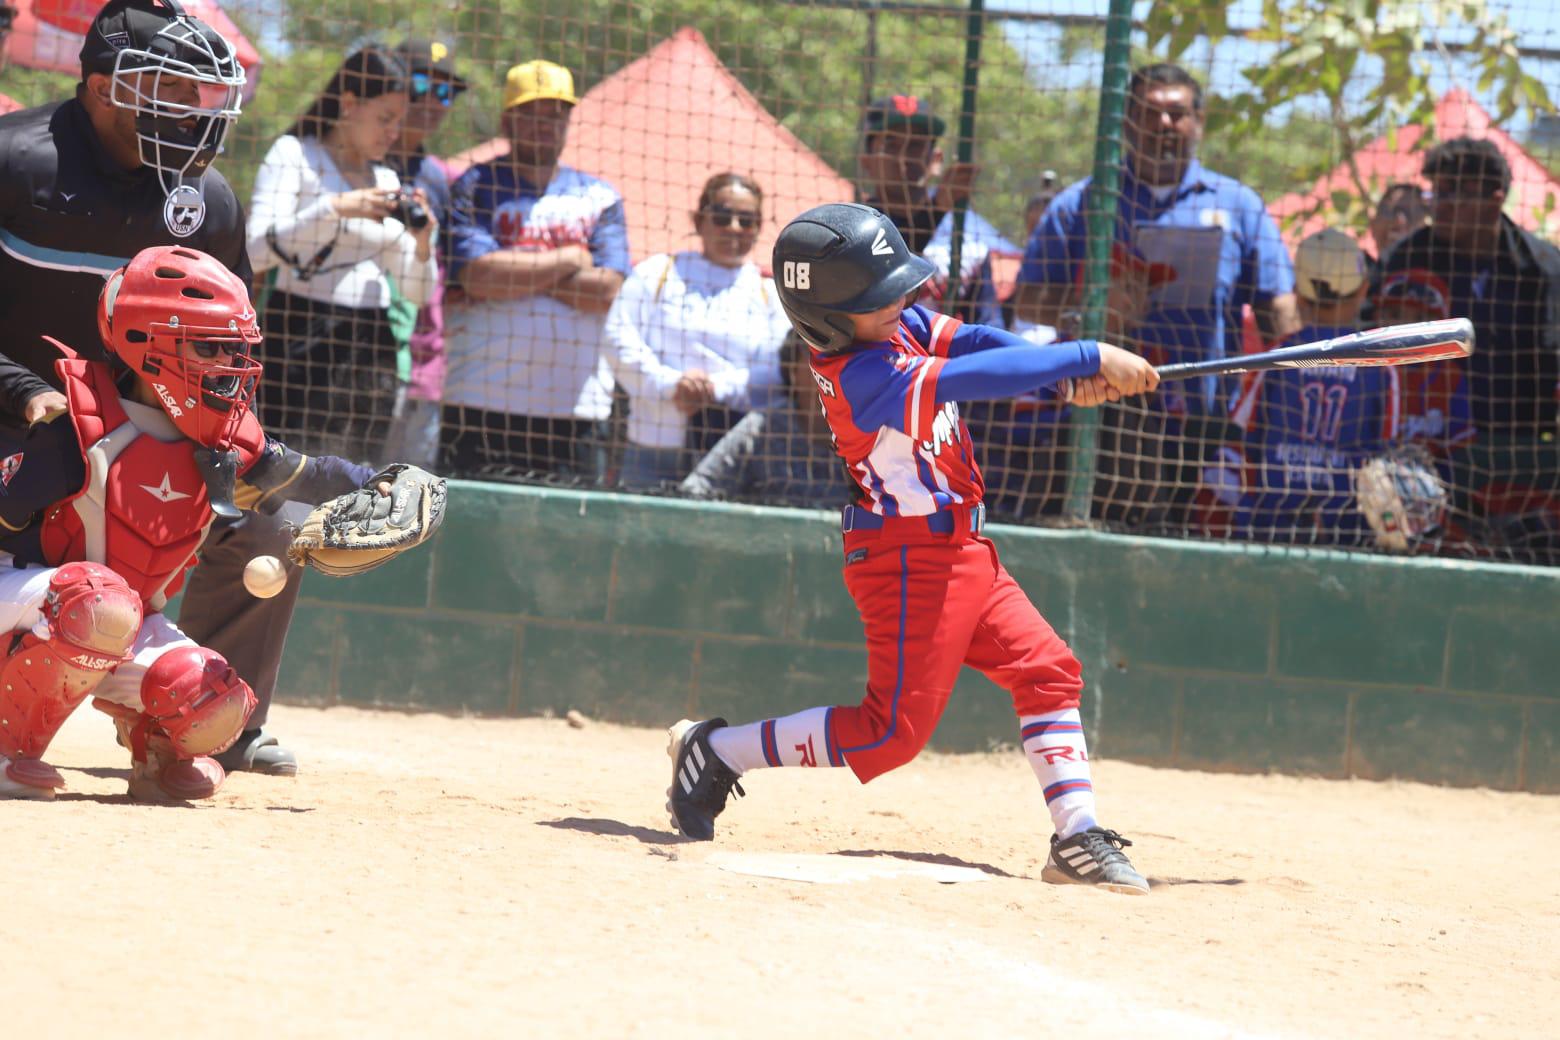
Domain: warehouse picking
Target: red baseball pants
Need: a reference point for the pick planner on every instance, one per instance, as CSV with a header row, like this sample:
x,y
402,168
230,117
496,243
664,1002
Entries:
x,y
930,604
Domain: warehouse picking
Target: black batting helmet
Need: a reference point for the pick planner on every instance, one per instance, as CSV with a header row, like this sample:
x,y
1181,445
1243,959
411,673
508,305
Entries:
x,y
838,260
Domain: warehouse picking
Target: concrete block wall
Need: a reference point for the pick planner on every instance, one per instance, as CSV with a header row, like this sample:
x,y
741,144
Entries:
x,y
1198,655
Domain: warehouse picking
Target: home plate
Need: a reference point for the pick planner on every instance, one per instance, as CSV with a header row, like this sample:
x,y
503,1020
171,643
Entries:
x,y
839,870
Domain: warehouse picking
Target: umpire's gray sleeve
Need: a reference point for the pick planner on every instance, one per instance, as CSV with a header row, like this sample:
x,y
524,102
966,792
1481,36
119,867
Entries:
x,y
719,474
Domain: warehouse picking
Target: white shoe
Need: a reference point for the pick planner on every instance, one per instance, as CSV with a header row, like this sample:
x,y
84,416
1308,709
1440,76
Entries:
x,y
29,778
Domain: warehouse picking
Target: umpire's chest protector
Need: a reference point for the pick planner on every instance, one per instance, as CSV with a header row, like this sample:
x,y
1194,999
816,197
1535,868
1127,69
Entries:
x,y
143,510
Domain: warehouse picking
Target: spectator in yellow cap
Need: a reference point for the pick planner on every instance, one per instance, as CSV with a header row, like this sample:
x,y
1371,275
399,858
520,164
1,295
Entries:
x,y
540,249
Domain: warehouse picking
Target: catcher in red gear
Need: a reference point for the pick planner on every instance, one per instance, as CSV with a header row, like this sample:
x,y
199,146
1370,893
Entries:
x,y
104,507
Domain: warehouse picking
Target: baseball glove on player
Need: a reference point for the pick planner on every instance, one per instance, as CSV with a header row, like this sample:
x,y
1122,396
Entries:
x,y
362,529
1401,497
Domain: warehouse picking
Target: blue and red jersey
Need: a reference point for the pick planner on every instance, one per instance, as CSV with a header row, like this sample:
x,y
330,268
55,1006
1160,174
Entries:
x,y
1342,410
892,405
1308,429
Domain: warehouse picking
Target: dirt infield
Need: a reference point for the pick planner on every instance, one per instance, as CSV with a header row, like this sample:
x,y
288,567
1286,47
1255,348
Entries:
x,y
462,877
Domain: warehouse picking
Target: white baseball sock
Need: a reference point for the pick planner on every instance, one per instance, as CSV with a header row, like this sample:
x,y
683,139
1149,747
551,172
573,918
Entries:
x,y
795,740
1053,743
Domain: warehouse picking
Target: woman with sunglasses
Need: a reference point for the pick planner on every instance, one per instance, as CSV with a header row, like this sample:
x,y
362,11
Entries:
x,y
695,338
350,258
432,87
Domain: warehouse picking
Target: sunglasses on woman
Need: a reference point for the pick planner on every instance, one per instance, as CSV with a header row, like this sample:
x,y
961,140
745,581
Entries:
x,y
725,216
424,84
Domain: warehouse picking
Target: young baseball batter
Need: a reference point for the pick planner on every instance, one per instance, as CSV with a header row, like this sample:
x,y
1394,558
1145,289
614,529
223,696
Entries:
x,y
932,594
102,509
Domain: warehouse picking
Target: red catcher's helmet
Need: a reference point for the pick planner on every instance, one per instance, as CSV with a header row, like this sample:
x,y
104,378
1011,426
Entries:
x,y
183,322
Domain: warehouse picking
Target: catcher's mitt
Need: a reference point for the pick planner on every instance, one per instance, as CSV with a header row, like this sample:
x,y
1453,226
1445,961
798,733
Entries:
x,y
362,529
1401,497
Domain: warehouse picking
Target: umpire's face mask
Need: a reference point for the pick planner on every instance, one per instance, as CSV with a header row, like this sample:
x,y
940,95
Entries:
x,y
184,90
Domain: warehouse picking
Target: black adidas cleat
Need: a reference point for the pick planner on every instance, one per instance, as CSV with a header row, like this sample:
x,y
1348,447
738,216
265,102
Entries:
x,y
701,782
1094,857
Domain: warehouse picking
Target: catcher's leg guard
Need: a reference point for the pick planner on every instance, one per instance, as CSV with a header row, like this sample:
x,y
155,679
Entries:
x,y
197,700
195,706
91,617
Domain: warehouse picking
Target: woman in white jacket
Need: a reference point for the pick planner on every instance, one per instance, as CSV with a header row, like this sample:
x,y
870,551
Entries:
x,y
348,256
694,338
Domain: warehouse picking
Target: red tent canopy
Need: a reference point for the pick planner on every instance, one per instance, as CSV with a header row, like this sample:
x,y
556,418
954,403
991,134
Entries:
x,y
48,33
1534,192
658,128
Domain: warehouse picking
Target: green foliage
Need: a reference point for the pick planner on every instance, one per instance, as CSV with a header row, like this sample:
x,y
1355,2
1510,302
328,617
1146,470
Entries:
x,y
807,64
32,87
1319,46
1279,157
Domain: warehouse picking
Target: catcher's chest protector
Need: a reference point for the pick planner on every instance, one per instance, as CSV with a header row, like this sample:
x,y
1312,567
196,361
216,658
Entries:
x,y
143,511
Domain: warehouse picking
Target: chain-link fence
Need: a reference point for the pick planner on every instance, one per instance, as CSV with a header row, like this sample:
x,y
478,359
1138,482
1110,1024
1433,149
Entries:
x,y
602,183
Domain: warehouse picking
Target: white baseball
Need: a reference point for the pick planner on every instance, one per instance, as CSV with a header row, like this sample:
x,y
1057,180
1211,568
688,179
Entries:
x,y
264,576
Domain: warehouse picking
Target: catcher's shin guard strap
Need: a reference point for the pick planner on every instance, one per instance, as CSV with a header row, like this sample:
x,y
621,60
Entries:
x,y
158,773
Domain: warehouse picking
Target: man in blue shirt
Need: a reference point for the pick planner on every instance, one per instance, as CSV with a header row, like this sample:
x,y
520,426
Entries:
x,y
1192,248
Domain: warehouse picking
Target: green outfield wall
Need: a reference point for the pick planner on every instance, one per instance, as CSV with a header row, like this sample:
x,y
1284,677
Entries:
x,y
1202,656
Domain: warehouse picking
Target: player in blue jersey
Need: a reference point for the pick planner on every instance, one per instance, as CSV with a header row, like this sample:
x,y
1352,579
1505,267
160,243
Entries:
x,y
1307,429
932,593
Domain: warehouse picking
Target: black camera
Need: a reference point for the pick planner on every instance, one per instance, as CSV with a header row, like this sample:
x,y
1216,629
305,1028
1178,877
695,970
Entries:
x,y
405,208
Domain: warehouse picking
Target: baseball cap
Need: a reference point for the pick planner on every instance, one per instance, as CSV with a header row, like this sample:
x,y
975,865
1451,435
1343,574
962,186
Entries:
x,y
124,25
1416,290
903,112
536,80
431,57
1328,266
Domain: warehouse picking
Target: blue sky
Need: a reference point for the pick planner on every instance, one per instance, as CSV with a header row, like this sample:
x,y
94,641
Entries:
x,y
1536,21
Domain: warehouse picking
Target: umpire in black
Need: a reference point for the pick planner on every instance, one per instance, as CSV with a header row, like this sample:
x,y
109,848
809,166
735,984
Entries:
x,y
87,183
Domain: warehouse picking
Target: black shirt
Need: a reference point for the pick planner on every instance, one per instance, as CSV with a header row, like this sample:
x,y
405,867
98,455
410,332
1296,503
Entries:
x,y
915,224
70,215
1512,296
